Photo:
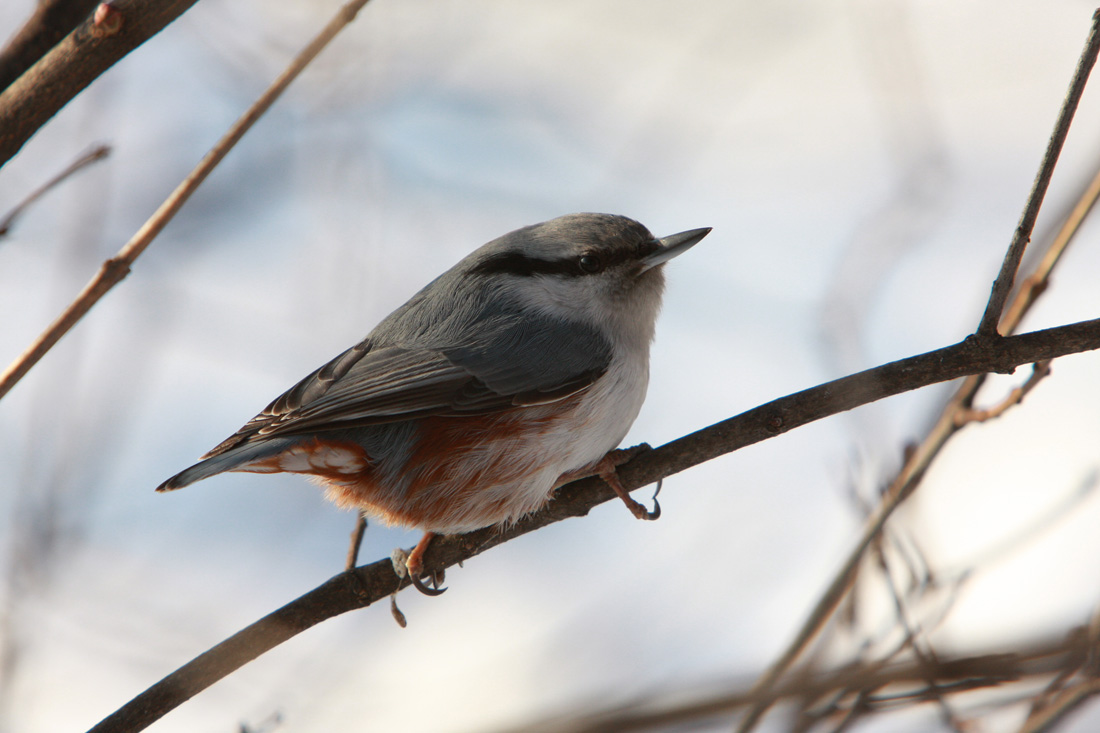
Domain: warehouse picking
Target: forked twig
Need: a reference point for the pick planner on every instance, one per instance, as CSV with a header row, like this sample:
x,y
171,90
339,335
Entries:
x,y
115,269
918,460
1040,370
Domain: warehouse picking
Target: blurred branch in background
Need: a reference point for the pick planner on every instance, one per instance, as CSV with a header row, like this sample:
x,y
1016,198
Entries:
x,y
955,415
830,697
93,46
114,270
838,696
99,152
958,410
60,455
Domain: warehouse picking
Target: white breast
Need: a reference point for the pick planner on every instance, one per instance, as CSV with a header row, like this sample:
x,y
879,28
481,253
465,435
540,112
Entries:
x,y
606,413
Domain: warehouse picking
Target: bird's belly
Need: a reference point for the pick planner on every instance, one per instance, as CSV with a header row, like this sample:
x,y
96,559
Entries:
x,y
457,474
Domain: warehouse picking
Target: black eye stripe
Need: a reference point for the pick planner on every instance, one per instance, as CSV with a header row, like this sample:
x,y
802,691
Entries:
x,y
515,263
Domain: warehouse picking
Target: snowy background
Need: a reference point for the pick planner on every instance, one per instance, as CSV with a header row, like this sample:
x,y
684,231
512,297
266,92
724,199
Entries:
x,y
863,165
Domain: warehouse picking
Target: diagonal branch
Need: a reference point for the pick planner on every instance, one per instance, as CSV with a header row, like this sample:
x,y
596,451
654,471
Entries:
x,y
1003,284
114,270
368,584
74,63
51,21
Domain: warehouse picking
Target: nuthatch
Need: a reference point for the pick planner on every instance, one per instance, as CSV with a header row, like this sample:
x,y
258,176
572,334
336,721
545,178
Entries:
x,y
518,370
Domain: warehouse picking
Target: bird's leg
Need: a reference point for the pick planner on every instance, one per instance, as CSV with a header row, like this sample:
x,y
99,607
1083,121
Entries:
x,y
606,468
414,566
356,542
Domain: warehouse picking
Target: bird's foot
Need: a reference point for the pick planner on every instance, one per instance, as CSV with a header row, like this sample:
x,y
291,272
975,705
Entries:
x,y
412,565
606,469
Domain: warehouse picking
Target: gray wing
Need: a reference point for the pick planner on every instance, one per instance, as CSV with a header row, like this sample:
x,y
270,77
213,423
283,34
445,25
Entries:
x,y
514,363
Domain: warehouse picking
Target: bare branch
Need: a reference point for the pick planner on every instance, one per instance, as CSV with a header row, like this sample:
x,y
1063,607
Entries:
x,y
92,48
118,267
51,21
920,458
365,585
1003,284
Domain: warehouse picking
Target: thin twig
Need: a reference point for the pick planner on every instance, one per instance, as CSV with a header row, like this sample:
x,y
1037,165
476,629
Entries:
x,y
118,267
356,541
1039,371
374,582
1003,284
99,152
913,633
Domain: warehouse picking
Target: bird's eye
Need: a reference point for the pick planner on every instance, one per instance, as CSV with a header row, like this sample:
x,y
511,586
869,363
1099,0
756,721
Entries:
x,y
590,263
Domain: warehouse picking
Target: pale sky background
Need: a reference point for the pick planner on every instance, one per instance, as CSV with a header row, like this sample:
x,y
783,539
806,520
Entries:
x,y
863,165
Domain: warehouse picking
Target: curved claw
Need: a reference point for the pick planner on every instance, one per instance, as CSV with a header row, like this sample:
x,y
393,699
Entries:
x,y
414,578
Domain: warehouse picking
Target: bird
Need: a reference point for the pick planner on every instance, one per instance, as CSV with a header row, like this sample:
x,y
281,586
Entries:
x,y
518,370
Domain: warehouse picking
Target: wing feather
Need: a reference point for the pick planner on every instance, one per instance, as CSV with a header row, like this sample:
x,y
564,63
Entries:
x,y
372,383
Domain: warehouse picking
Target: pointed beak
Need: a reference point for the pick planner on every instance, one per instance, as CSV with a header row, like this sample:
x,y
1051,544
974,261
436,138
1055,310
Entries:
x,y
672,245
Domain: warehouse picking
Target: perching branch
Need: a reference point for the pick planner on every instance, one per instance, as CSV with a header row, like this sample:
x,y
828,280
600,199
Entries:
x,y
368,584
115,269
949,422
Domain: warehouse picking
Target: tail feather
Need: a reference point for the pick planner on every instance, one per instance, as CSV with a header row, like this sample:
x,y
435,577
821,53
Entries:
x,y
235,459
